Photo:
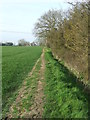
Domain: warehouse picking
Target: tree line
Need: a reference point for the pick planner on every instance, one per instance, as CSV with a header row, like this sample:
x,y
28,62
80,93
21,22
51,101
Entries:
x,y
21,42
66,33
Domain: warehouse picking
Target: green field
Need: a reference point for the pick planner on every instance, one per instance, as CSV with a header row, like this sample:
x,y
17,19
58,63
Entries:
x,y
63,96
17,62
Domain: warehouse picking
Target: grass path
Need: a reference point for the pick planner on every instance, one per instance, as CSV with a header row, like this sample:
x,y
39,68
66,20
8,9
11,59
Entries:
x,y
64,96
29,101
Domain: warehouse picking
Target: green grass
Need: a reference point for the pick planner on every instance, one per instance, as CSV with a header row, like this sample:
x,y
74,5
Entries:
x,y
16,63
26,102
65,98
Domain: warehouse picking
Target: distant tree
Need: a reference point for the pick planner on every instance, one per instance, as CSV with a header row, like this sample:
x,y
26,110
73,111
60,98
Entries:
x,y
22,42
33,44
3,44
6,44
9,44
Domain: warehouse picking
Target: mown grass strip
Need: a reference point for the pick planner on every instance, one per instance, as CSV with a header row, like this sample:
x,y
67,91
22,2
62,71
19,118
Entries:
x,y
64,97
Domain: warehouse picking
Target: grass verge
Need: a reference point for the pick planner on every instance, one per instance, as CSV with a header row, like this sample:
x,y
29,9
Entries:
x,y
65,98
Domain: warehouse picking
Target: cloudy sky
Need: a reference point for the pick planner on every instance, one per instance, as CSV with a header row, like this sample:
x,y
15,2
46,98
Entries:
x,y
17,17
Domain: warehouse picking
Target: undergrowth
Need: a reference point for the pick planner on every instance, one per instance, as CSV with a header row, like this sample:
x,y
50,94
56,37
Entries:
x,y
65,98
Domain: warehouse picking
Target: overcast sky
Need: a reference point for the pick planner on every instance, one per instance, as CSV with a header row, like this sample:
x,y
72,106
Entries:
x,y
17,17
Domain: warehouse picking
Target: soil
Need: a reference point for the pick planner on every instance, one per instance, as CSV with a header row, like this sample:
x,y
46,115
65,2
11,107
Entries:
x,y
36,110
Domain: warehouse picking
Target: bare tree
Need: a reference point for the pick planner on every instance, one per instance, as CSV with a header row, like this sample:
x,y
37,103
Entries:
x,y
22,42
47,22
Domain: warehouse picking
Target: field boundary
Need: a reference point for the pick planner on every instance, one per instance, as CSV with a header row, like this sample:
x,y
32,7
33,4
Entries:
x,y
37,107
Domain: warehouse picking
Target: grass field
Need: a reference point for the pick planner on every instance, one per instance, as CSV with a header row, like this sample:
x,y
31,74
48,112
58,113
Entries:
x,y
65,98
16,63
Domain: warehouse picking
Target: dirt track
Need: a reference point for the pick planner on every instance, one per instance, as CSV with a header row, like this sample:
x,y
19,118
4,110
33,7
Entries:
x,y
36,110
37,107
